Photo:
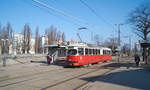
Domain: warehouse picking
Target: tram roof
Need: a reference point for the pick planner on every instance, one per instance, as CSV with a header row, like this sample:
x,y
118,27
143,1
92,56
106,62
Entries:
x,y
88,46
78,45
83,45
53,46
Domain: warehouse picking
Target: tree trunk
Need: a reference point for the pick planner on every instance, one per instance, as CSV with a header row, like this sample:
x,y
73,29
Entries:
x,y
145,55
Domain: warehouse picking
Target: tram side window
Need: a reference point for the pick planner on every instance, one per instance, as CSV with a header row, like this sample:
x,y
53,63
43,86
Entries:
x,y
95,51
104,52
72,52
86,51
99,52
108,52
80,51
91,51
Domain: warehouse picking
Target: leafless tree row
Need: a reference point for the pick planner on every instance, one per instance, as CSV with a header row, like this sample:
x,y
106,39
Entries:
x,y
54,35
37,41
27,38
7,36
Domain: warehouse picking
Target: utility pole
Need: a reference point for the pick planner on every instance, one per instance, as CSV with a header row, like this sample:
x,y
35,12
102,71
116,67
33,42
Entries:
x,y
130,45
119,47
4,45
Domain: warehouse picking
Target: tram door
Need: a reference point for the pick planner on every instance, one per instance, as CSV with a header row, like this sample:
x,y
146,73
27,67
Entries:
x,y
81,57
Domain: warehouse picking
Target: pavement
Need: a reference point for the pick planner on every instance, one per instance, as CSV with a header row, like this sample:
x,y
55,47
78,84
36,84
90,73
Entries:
x,y
125,76
21,59
122,78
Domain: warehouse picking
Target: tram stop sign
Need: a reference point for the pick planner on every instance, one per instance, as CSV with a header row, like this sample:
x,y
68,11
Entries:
x,y
145,43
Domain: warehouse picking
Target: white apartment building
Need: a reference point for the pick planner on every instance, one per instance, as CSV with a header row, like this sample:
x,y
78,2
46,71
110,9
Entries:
x,y
32,46
44,41
18,42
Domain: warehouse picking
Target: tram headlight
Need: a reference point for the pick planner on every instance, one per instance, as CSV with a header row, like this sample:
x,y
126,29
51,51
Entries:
x,y
69,60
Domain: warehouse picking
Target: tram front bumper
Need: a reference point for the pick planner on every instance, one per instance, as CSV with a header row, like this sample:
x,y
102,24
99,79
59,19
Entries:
x,y
72,63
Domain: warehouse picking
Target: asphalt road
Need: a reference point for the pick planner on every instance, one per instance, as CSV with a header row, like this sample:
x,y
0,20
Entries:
x,y
38,75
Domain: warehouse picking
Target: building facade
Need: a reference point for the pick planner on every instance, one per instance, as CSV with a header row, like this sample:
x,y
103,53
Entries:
x,y
44,41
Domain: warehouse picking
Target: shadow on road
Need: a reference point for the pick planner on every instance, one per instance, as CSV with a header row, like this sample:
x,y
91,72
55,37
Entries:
x,y
138,78
38,62
118,65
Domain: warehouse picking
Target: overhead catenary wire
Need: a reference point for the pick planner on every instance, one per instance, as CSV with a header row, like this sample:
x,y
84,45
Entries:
x,y
61,12
96,14
65,14
50,13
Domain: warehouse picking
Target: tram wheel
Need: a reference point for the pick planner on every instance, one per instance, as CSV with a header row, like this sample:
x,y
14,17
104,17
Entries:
x,y
104,61
89,64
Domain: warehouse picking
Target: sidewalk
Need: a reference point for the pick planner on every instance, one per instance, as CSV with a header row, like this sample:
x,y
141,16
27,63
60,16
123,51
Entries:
x,y
22,59
123,78
21,70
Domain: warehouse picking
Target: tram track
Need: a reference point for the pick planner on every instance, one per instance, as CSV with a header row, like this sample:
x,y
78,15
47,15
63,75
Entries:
x,y
30,73
31,76
18,75
24,77
83,84
77,77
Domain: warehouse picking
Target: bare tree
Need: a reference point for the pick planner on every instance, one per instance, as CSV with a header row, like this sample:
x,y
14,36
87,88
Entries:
x,y
0,39
111,43
97,39
135,48
125,49
59,36
140,20
39,45
0,34
36,39
9,32
63,37
27,37
52,35
5,36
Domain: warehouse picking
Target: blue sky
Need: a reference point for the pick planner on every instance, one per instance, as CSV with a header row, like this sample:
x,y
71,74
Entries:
x,y
20,12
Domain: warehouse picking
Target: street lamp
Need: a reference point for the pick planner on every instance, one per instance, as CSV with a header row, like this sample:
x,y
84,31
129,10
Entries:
x,y
129,43
85,28
119,40
4,60
81,28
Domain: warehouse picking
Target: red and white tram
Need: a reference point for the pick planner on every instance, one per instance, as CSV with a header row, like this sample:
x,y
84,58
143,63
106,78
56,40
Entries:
x,y
84,55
